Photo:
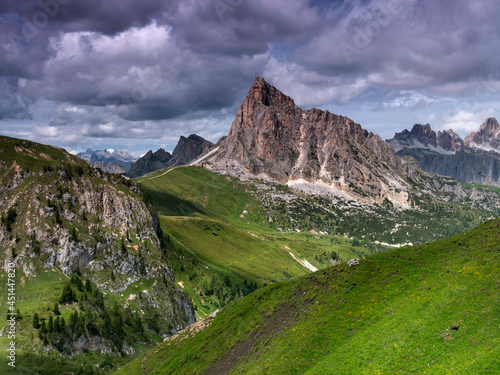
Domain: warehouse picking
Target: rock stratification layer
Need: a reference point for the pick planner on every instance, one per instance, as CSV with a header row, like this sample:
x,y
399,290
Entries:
x,y
272,135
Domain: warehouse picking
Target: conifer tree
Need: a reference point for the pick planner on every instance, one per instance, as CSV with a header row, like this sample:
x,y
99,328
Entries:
x,y
36,321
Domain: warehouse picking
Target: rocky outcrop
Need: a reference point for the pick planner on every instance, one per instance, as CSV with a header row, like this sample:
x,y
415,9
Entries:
x,y
273,136
58,214
487,137
75,217
102,214
187,150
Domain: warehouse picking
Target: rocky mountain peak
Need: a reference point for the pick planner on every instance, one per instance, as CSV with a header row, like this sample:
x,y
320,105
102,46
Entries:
x,y
490,126
263,93
271,135
487,137
187,150
422,136
450,141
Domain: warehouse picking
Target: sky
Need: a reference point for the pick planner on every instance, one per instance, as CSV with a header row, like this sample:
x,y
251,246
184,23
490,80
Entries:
x,y
135,75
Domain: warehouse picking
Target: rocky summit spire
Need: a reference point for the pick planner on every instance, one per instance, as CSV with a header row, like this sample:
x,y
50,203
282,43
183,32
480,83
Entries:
x,y
272,135
490,126
487,137
263,93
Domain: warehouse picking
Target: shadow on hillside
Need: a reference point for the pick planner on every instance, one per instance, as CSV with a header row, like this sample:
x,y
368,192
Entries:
x,y
169,205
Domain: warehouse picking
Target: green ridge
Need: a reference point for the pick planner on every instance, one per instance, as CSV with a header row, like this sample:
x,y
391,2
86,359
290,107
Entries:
x,y
429,309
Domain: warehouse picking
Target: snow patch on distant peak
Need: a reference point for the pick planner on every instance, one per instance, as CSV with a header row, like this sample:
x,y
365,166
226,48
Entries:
x,y
416,144
483,146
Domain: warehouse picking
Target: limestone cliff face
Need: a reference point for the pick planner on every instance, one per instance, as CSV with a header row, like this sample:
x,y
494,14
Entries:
x,y
188,149
66,214
470,166
272,135
58,212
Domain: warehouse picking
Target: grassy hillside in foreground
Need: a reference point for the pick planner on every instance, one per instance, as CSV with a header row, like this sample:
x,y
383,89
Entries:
x,y
429,309
220,244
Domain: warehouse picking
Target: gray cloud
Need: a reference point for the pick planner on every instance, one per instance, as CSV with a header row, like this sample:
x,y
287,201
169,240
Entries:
x,y
422,44
153,69
12,104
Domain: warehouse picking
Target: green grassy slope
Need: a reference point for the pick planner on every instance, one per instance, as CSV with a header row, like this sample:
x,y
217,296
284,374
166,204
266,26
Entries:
x,y
35,156
429,309
208,235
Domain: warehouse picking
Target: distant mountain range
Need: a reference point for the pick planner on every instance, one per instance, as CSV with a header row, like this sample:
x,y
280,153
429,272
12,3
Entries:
x,y
116,161
473,160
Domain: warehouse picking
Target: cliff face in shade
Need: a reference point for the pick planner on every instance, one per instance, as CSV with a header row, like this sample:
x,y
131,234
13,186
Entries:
x,y
471,166
150,162
272,135
487,137
187,150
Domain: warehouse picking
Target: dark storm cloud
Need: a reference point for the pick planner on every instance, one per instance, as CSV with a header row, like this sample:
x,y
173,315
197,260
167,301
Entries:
x,y
104,16
110,68
160,59
243,26
26,29
410,44
144,70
